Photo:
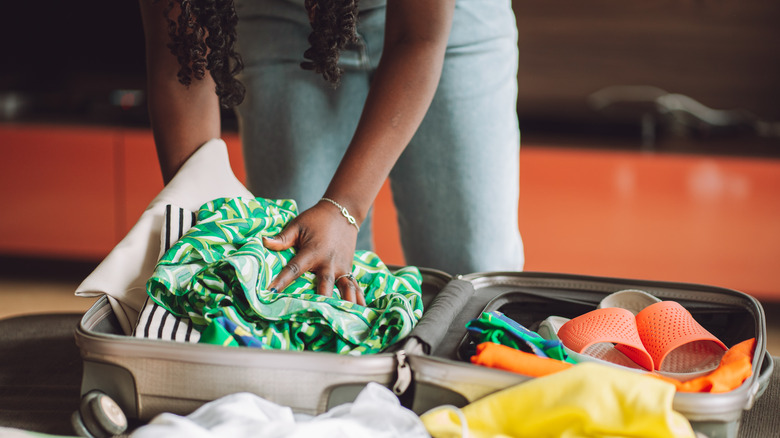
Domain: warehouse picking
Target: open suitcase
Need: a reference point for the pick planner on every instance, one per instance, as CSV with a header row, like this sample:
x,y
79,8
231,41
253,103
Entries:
x,y
147,377
427,369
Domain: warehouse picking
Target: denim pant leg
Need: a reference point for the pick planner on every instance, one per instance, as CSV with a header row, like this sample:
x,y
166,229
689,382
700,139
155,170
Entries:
x,y
456,186
294,126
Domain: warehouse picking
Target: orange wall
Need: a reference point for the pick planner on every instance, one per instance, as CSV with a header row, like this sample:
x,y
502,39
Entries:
x,y
74,192
690,218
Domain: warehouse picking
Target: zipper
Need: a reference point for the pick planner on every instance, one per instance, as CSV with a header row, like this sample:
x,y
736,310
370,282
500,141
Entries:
x,y
403,373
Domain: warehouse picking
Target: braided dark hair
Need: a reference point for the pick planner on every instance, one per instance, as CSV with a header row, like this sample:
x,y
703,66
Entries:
x,y
333,24
203,38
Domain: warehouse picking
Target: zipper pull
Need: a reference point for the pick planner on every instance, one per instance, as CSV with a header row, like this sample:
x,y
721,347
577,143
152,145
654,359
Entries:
x,y
403,373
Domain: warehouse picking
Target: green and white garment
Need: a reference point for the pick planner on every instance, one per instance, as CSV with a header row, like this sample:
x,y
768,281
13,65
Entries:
x,y
217,275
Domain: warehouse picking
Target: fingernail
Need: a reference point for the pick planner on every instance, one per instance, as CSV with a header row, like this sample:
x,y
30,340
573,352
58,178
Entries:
x,y
273,290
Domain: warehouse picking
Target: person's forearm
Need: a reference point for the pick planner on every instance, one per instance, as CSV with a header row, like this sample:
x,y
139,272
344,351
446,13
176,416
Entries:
x,y
182,118
401,92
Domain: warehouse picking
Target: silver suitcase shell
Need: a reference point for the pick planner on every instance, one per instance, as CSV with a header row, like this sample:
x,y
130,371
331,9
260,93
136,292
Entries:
x,y
147,377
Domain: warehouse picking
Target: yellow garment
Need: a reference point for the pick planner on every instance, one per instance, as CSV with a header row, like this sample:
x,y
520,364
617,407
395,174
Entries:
x,y
587,400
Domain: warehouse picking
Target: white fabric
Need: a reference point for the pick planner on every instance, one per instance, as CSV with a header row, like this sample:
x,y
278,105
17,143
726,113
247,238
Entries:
x,y
633,300
122,275
375,413
10,432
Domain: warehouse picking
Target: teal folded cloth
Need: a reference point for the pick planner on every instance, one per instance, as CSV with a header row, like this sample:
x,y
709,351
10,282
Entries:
x,y
220,270
498,328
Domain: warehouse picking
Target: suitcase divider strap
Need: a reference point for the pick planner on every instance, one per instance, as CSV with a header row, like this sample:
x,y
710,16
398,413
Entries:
x,y
447,304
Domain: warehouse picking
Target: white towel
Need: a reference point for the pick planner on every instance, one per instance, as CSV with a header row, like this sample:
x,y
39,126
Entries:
x,y
122,275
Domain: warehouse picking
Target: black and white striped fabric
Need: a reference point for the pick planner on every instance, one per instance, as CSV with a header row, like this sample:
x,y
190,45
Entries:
x,y
176,222
154,321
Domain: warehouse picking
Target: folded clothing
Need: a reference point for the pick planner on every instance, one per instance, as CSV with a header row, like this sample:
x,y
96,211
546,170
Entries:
x,y
735,367
629,318
220,269
733,370
585,400
497,328
506,358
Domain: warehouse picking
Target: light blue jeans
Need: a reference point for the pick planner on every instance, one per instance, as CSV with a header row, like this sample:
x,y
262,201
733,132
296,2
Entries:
x,y
456,185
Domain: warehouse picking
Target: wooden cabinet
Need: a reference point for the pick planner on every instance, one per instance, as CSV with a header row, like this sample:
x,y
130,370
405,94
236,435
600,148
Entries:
x,y
58,191
74,192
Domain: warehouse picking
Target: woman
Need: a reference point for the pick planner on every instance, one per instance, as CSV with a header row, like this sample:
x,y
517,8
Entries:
x,y
425,93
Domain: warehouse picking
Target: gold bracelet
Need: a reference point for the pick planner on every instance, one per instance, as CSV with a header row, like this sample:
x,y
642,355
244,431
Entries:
x,y
344,212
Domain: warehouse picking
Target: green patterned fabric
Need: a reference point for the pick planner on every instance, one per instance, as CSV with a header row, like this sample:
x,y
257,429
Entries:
x,y
497,328
218,273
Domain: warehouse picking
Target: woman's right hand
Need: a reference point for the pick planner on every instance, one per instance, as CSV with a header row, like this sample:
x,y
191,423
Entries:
x,y
325,243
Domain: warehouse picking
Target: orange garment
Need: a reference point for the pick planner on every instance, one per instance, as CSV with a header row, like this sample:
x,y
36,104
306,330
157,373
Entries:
x,y
506,358
735,367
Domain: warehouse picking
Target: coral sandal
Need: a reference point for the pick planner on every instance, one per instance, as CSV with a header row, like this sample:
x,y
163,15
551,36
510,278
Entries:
x,y
663,336
681,348
608,336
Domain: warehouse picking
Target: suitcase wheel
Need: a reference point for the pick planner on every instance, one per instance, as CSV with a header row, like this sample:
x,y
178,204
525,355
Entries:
x,y
99,416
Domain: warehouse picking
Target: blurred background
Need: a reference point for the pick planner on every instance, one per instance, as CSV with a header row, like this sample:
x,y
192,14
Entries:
x,y
650,144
